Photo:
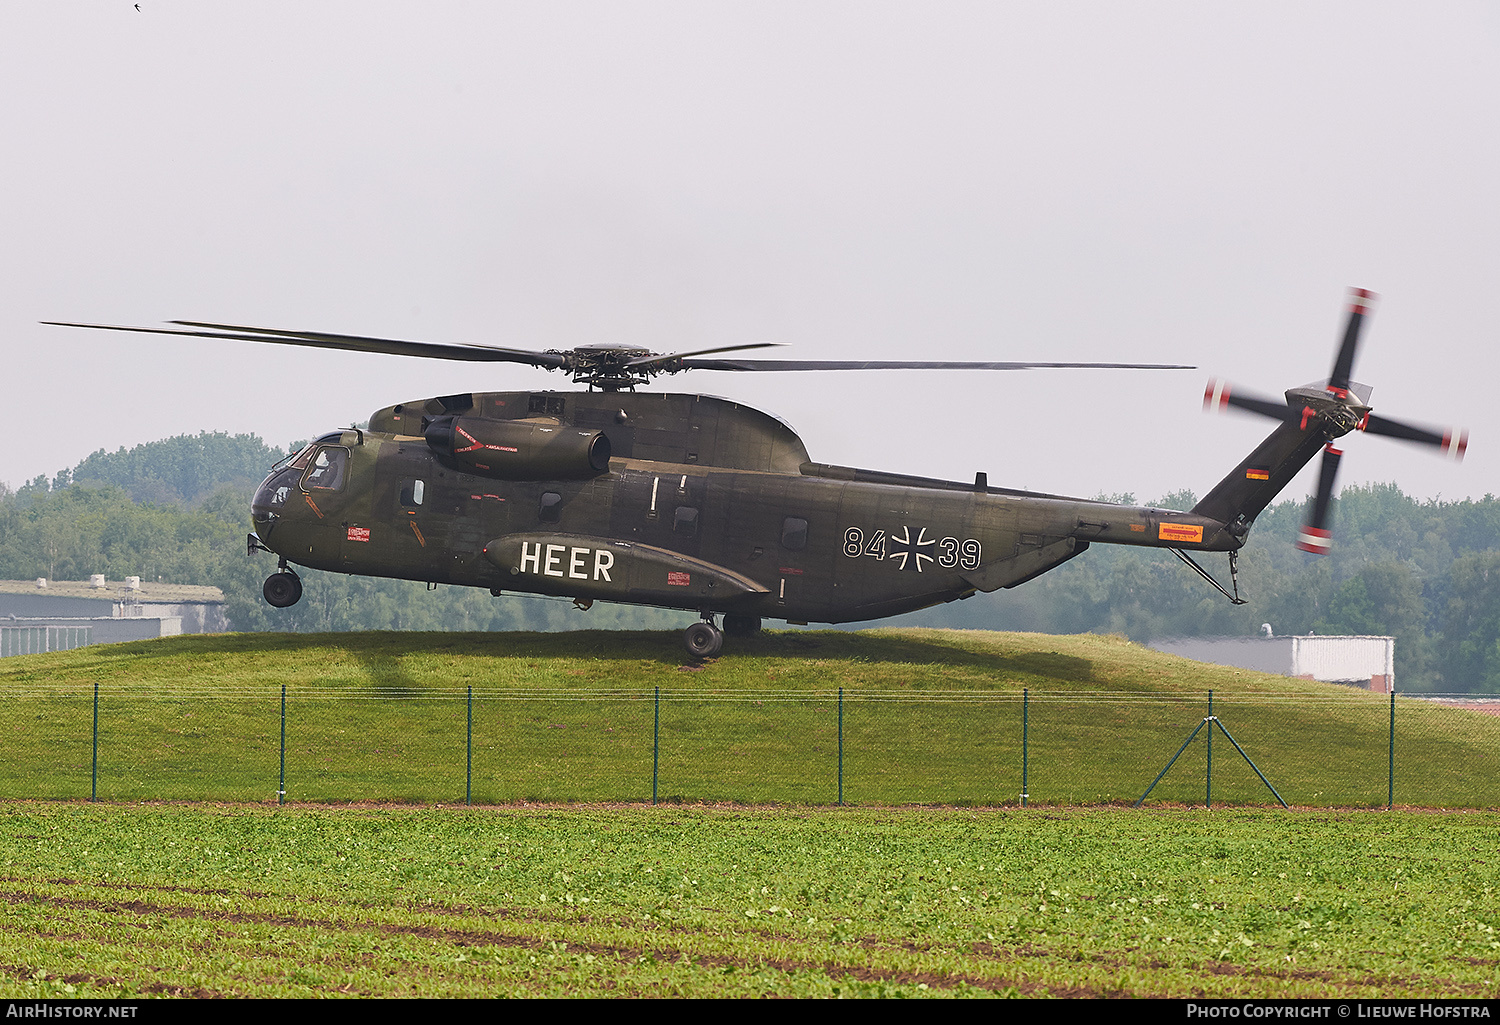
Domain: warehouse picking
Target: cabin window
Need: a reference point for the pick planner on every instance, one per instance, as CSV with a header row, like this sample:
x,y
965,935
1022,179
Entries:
x,y
326,472
794,533
550,509
411,493
685,521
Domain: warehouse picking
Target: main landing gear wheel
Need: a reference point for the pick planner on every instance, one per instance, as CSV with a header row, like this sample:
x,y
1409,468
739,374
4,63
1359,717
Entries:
x,y
703,640
282,590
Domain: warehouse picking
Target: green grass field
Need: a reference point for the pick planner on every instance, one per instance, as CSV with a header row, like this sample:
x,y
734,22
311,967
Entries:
x,y
928,717
162,900
746,880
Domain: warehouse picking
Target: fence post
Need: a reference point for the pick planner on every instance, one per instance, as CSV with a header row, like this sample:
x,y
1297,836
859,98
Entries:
x,y
281,786
94,777
1025,727
1208,777
841,746
1390,791
655,741
469,753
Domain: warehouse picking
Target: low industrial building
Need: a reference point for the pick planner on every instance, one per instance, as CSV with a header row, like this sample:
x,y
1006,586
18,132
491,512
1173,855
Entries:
x,y
57,615
1368,662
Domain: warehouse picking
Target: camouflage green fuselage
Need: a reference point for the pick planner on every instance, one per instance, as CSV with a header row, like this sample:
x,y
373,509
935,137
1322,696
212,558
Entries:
x,y
706,505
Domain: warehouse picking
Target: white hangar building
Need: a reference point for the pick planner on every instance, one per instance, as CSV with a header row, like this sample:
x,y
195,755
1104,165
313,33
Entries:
x,y
1367,662
58,615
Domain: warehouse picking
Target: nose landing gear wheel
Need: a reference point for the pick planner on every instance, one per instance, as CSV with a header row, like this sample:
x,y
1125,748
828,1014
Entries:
x,y
702,640
282,590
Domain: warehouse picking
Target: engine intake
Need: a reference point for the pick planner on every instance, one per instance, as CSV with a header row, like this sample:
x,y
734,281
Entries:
x,y
518,449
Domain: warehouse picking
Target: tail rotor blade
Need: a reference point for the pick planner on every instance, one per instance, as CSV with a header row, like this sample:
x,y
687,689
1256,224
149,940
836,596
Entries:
x,y
1220,395
1452,441
1314,535
1361,305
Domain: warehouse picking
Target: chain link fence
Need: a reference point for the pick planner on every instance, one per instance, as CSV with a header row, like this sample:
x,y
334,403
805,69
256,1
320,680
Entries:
x,y
311,744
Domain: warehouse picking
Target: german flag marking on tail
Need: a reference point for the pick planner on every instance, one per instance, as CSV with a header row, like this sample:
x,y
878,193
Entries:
x,y
1180,532
1257,473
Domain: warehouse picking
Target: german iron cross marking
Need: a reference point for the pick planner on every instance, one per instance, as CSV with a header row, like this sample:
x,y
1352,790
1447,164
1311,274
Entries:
x,y
902,547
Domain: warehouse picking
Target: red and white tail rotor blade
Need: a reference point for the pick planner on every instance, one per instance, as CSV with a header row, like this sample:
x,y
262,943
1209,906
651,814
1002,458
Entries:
x,y
1221,395
1361,305
1314,535
1453,442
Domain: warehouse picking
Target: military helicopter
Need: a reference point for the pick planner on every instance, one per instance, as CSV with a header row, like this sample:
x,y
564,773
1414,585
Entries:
x,y
688,501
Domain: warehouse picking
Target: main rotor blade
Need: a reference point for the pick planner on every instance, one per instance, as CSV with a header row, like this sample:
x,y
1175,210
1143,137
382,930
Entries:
x,y
644,361
356,343
1453,441
883,364
1314,536
1220,395
1361,305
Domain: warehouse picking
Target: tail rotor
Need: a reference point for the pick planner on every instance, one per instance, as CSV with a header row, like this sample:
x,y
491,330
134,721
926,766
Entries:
x,y
1330,410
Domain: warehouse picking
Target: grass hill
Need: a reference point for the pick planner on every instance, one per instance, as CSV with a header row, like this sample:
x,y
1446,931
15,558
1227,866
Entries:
x,y
721,900
926,716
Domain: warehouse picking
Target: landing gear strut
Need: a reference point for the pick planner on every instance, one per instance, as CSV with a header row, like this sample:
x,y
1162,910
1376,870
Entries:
x,y
282,590
703,640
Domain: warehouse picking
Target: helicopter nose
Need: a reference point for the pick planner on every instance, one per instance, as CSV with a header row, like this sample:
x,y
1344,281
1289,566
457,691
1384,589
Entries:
x,y
270,498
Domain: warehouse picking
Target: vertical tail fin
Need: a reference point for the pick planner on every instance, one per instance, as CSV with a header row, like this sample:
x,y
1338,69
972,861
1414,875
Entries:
x,y
1262,475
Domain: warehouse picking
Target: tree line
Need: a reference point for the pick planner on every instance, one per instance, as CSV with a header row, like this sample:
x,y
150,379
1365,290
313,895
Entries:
x,y
1424,571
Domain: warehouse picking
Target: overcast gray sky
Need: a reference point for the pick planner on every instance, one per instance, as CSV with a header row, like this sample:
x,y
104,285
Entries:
x,y
1176,182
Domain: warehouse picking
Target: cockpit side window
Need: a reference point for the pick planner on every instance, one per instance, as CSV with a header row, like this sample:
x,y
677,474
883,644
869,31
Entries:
x,y
327,469
412,493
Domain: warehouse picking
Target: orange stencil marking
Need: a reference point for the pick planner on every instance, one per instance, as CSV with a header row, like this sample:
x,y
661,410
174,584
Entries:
x,y
1180,532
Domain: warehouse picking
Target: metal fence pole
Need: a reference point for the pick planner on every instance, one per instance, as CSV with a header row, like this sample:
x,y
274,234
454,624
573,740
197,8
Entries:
x,y
281,786
655,741
469,754
1390,783
841,746
94,777
1173,762
1025,727
1220,723
1208,776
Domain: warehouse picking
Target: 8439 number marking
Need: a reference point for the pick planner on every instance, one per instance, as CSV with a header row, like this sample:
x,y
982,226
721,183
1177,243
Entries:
x,y
913,552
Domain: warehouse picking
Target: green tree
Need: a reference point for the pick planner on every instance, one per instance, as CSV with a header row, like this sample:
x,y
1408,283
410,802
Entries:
x,y
1469,646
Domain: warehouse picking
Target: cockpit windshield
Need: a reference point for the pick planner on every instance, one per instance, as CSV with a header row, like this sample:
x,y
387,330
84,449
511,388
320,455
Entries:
x,y
326,469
